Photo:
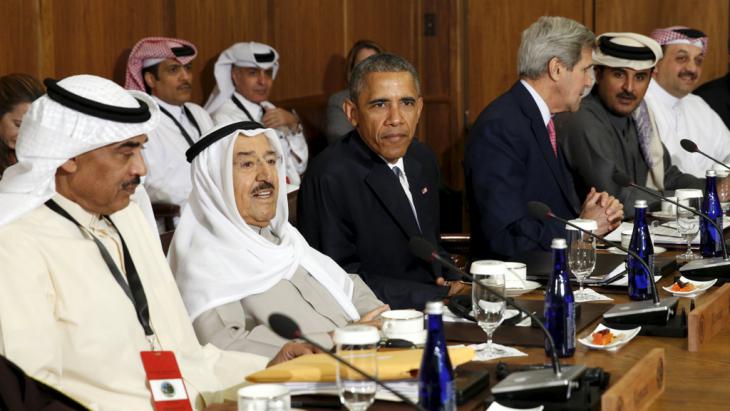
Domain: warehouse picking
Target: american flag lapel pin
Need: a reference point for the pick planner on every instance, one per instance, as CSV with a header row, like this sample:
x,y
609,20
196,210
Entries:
x,y
424,190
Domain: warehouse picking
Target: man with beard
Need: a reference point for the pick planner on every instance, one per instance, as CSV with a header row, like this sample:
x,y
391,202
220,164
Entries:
x,y
678,113
162,67
612,131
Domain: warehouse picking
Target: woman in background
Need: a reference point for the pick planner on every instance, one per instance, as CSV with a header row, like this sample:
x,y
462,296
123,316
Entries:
x,y
17,91
337,124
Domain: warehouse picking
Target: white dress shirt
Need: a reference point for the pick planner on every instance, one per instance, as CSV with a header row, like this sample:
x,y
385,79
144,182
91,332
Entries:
x,y
168,171
399,169
691,118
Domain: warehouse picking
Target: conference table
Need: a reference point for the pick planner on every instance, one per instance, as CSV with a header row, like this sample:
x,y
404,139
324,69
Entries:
x,y
694,380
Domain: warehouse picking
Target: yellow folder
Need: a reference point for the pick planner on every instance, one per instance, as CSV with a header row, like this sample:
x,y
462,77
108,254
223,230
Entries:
x,y
392,365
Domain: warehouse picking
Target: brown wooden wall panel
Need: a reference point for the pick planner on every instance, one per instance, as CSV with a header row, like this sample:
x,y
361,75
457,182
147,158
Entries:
x,y
643,16
392,24
309,36
95,36
494,29
215,25
19,36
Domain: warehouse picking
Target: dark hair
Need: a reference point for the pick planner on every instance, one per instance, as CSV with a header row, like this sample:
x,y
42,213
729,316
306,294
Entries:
x,y
380,63
18,88
352,54
155,70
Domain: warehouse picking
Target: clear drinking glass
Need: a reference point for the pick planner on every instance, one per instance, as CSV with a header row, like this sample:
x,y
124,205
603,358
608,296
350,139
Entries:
x,y
581,251
488,308
688,224
357,344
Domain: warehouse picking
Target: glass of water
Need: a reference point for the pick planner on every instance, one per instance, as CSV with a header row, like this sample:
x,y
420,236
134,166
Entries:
x,y
488,308
688,224
357,344
581,251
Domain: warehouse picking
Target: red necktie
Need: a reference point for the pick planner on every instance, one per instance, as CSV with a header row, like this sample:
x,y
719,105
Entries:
x,y
553,139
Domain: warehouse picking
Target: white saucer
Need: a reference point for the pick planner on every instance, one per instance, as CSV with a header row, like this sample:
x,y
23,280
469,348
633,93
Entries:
x,y
417,338
529,286
702,286
614,250
621,337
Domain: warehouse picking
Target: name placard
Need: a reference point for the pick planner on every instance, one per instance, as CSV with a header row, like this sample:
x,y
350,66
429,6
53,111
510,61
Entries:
x,y
639,387
710,318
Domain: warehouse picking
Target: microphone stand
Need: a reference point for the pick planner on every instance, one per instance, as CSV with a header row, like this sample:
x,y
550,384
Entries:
x,y
656,312
275,318
690,147
706,267
533,384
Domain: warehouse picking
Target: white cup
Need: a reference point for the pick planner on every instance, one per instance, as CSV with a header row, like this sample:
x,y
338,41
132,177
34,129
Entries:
x,y
669,208
626,238
264,397
399,323
515,274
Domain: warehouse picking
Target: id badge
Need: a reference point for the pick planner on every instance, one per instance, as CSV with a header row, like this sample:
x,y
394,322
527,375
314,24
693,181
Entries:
x,y
165,380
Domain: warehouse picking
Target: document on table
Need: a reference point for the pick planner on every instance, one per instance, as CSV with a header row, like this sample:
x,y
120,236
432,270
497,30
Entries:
x,y
663,234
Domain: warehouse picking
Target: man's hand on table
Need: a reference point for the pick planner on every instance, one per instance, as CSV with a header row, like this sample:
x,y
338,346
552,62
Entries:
x,y
605,209
455,287
292,350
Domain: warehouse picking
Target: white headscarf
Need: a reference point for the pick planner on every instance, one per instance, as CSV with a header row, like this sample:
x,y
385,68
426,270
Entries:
x,y
217,258
249,54
52,133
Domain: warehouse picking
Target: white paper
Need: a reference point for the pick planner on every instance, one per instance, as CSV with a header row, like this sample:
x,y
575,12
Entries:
x,y
664,234
590,295
480,354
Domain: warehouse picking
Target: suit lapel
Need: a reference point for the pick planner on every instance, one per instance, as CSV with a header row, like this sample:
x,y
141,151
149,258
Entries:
x,y
387,189
542,139
419,190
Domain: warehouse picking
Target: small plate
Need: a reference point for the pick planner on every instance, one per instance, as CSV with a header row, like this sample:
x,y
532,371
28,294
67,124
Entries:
x,y
702,286
614,250
529,286
620,337
661,215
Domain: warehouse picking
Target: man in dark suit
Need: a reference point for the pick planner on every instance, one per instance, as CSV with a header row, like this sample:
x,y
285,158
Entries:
x,y
364,197
512,157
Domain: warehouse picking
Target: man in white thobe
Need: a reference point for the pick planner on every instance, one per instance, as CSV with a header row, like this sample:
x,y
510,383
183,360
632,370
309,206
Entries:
x,y
237,260
678,113
86,289
245,73
163,68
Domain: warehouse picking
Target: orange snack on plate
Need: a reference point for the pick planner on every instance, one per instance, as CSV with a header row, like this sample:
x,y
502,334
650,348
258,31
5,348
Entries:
x,y
683,286
603,337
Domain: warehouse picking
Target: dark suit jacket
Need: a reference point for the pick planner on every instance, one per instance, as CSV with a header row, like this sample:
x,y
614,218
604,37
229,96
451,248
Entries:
x,y
18,392
717,94
508,162
353,208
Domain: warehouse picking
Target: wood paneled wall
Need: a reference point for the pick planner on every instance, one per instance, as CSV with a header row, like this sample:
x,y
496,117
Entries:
x,y
470,59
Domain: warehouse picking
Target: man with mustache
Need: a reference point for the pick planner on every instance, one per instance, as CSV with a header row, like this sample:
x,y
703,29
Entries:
x,y
237,259
244,74
679,114
88,303
366,195
162,67
613,131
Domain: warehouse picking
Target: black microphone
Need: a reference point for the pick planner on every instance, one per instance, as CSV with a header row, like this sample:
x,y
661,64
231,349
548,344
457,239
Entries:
x,y
524,383
706,267
641,312
690,147
285,327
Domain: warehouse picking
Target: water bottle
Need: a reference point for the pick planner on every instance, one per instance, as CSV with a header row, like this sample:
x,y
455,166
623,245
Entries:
x,y
710,239
559,309
639,281
436,390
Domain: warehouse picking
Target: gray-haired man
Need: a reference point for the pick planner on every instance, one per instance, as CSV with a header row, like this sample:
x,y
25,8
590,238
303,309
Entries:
x,y
512,157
